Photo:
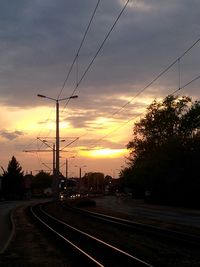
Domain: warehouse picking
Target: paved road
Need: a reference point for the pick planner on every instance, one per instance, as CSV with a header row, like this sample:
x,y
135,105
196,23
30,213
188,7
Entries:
x,y
131,206
5,223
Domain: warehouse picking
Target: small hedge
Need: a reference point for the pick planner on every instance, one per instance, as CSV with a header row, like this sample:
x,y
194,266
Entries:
x,y
84,202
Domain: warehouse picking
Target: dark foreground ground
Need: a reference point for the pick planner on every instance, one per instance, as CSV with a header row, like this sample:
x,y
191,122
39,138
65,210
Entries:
x,y
31,247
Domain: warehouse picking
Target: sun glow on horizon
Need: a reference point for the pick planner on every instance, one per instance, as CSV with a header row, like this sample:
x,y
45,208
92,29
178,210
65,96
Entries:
x,y
105,153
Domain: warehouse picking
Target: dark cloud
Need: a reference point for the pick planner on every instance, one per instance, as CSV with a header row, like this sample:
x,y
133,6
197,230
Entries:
x,y
93,144
46,121
102,108
38,42
10,135
40,38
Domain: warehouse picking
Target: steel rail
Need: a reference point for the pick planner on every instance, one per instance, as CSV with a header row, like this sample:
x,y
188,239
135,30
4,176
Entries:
x,y
170,234
98,240
64,238
130,260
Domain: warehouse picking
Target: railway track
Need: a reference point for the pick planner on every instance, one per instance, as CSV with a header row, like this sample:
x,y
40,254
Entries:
x,y
145,228
87,250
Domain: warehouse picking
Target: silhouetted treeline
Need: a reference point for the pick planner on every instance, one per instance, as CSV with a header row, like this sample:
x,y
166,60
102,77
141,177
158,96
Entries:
x,y
15,185
12,181
164,160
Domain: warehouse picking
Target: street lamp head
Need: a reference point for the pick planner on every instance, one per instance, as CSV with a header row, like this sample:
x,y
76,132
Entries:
x,y
65,98
73,96
81,166
44,96
41,96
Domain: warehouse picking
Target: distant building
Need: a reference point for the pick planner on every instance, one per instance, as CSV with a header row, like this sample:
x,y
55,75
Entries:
x,y
27,183
93,182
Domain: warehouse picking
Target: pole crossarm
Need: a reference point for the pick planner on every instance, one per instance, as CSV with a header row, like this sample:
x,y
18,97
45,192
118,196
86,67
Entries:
x,y
44,150
38,150
44,142
70,143
46,166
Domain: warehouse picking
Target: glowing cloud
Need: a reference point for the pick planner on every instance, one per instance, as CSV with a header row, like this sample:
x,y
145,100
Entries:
x,y
104,153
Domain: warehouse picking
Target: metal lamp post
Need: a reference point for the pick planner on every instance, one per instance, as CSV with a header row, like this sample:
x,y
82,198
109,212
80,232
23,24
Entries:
x,y
57,169
80,175
66,162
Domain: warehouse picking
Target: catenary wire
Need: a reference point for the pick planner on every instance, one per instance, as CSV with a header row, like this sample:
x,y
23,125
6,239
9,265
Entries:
x,y
159,75
75,59
185,85
99,49
134,118
149,84
155,79
77,53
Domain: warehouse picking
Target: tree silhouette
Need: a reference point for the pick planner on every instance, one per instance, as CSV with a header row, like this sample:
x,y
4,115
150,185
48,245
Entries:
x,y
164,155
12,183
41,181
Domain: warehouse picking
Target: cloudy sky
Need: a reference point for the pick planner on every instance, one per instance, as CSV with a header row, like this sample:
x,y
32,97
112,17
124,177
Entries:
x,y
39,40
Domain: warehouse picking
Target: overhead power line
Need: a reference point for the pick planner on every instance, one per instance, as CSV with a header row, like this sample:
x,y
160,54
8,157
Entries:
x,y
134,118
159,75
149,84
99,49
185,85
81,44
75,58
96,54
102,44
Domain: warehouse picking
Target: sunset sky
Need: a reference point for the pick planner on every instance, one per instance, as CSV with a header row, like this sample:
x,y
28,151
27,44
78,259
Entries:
x,y
39,40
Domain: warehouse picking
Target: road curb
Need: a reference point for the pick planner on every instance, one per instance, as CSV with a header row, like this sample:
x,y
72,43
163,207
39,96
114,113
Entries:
x,y
11,217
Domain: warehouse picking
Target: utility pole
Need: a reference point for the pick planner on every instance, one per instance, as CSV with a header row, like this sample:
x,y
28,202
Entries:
x,y
80,175
67,163
57,170
66,169
54,162
57,144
